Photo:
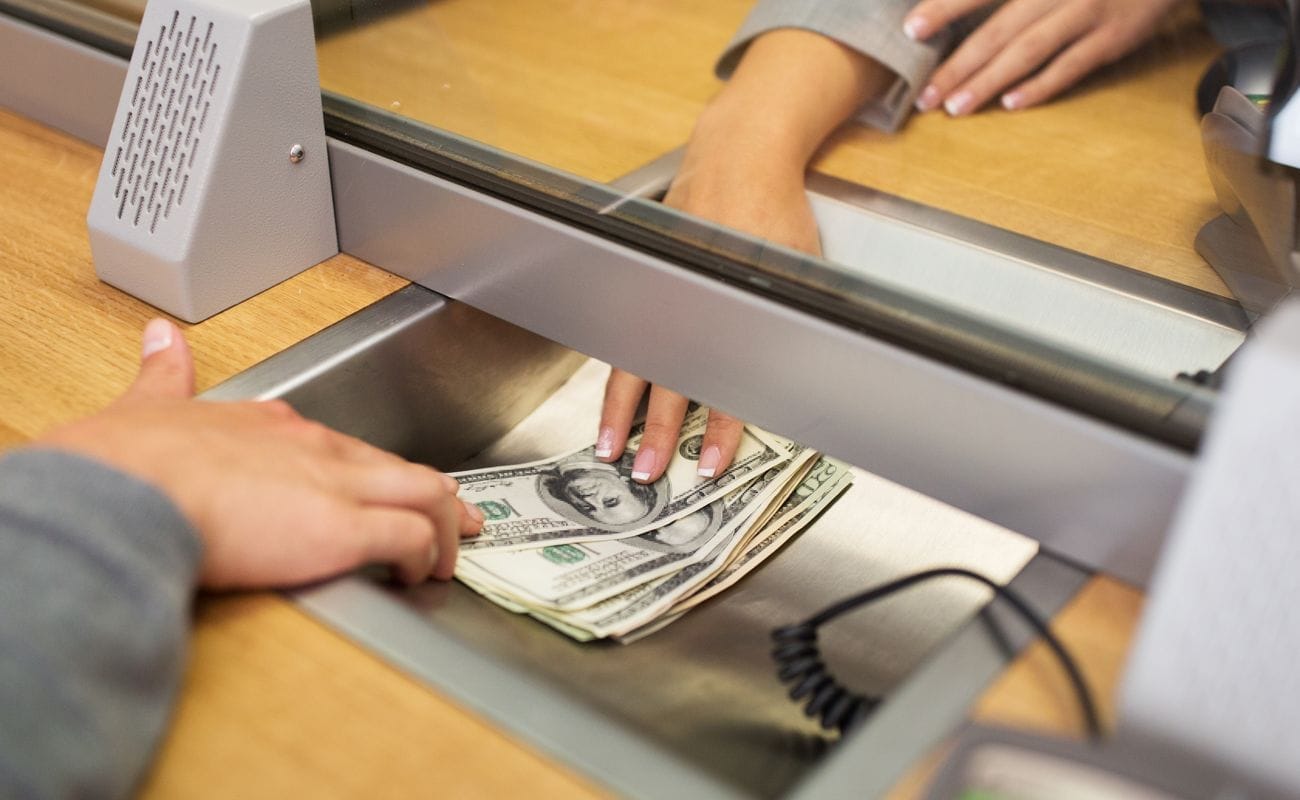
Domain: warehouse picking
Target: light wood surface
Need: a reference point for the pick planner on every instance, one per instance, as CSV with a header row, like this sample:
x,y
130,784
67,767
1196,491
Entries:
x,y
600,87
594,87
1114,169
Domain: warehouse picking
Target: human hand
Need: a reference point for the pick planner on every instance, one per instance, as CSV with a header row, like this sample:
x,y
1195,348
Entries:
x,y
740,182
1042,47
276,498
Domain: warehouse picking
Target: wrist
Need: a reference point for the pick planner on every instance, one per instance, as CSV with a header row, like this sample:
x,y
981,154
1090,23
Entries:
x,y
740,124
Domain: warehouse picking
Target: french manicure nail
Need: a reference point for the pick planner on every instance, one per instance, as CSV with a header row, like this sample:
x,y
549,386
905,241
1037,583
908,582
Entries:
x,y
958,104
605,443
916,28
1012,100
928,99
644,464
709,461
157,337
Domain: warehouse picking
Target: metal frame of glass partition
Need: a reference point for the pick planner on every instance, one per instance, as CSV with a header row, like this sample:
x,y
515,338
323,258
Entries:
x,y
1089,461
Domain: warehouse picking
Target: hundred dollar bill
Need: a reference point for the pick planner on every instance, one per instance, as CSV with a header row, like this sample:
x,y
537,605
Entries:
x,y
505,602
577,498
567,577
816,492
637,606
833,478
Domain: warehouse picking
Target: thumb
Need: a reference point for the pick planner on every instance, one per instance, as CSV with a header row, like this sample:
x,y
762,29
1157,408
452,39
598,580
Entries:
x,y
166,367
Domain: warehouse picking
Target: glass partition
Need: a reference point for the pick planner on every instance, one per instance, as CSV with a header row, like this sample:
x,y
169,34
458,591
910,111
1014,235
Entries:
x,y
1053,248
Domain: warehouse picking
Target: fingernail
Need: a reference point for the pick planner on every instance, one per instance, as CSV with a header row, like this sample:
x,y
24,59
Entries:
x,y
916,28
475,513
157,337
958,104
1012,100
605,443
709,461
644,464
928,99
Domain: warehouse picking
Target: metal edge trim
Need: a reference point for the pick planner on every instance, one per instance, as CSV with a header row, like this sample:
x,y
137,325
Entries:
x,y
517,702
653,178
934,701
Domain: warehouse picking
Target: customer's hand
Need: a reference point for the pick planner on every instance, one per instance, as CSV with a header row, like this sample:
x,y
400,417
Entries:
x,y
277,499
1029,50
744,169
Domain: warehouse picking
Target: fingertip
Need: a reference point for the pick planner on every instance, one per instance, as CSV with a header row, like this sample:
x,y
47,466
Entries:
x,y
710,461
606,442
721,440
159,335
928,99
449,484
959,104
917,27
646,467
446,568
166,366
474,520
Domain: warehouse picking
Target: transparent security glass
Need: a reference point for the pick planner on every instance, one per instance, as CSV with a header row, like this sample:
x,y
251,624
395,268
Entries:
x,y
1057,244
1055,247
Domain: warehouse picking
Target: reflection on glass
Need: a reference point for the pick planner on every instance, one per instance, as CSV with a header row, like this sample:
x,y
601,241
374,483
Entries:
x,y
932,207
1112,168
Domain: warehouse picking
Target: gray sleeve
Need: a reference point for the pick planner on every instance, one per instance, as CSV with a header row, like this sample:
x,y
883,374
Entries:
x,y
96,574
871,27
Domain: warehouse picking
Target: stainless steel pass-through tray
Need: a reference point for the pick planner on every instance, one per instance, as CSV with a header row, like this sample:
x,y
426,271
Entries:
x,y
694,710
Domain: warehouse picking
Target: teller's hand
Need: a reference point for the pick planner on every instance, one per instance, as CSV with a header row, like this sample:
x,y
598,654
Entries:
x,y
1029,50
277,499
723,184
744,169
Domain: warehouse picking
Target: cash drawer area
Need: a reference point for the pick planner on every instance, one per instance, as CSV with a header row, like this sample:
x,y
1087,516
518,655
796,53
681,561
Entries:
x,y
695,709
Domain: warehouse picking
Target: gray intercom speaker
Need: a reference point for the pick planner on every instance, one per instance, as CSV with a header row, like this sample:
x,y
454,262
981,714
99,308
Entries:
x,y
215,182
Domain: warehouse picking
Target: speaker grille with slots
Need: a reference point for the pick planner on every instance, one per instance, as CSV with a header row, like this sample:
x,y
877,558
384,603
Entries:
x,y
170,96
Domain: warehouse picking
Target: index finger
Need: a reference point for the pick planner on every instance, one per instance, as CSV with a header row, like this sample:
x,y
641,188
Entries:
x,y
623,393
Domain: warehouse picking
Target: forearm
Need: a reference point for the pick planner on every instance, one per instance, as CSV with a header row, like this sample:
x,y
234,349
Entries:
x,y
791,90
96,572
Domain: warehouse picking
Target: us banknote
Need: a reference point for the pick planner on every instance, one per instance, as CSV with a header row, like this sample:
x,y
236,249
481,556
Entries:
x,y
568,577
641,606
798,513
577,498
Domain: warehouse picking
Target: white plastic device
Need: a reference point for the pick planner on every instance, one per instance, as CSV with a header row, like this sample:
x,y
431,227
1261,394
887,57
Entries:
x,y
215,181
1212,672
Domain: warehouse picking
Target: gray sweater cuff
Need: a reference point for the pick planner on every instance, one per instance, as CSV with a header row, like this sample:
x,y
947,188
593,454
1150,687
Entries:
x,y
96,573
873,29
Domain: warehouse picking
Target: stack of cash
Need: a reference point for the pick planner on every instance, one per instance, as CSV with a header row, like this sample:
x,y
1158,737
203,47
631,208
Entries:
x,y
579,545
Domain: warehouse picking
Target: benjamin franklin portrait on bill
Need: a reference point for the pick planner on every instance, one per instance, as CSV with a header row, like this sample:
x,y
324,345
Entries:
x,y
600,495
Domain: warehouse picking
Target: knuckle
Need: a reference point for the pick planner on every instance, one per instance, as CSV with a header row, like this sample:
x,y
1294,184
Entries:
x,y
279,409
659,430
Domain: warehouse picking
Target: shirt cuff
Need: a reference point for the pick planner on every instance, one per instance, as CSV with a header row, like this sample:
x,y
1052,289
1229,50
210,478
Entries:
x,y
875,31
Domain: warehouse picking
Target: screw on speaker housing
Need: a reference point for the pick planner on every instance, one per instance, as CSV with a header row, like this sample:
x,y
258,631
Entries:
x,y
297,154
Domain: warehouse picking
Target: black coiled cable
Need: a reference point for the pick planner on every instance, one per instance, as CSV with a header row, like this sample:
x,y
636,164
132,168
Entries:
x,y
799,661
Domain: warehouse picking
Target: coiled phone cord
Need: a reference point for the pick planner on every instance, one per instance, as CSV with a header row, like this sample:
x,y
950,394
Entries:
x,y
799,661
